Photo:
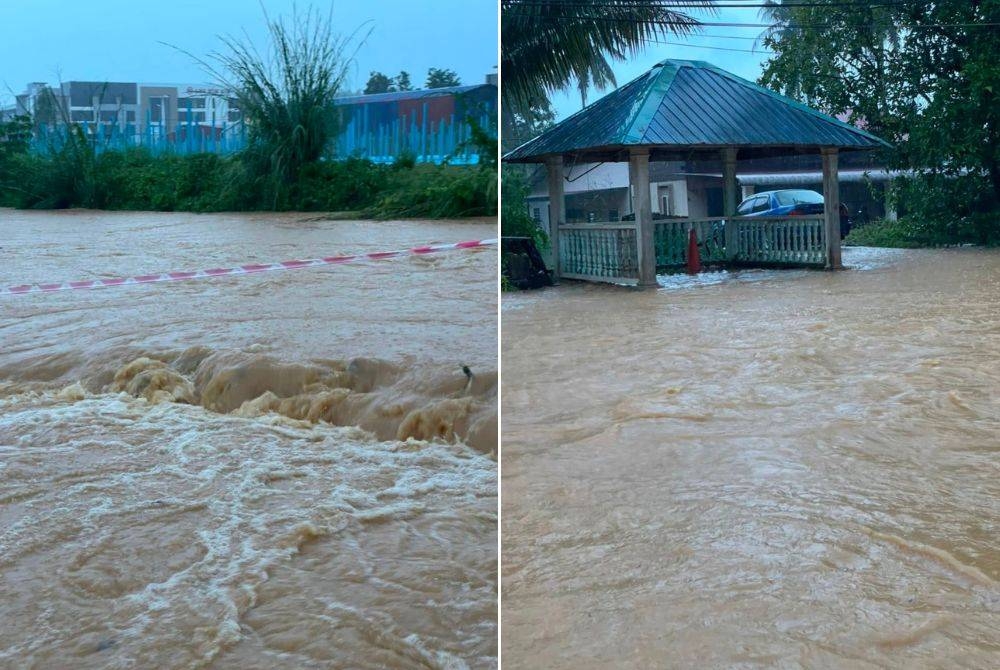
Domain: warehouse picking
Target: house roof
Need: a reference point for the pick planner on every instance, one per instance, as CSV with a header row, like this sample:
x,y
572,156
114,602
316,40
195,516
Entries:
x,y
680,108
409,95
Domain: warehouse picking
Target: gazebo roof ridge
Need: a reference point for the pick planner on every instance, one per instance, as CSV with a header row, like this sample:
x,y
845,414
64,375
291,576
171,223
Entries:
x,y
690,104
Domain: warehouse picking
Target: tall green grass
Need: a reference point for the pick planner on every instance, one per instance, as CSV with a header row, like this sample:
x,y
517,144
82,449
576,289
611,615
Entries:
x,y
286,94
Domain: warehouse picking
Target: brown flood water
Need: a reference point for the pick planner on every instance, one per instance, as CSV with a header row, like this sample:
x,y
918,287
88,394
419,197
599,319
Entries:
x,y
284,470
772,469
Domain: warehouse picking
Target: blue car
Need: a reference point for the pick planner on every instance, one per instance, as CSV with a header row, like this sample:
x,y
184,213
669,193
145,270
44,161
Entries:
x,y
791,202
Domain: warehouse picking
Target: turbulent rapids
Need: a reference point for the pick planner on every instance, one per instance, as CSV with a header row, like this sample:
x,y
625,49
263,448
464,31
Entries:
x,y
781,469
270,471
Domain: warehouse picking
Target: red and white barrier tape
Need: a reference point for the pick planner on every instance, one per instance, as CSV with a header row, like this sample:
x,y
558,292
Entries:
x,y
239,269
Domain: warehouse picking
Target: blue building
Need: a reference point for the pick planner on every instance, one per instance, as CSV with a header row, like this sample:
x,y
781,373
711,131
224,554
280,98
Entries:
x,y
430,125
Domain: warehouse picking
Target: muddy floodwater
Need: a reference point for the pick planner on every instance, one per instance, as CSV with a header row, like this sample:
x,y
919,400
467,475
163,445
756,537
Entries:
x,y
791,469
278,470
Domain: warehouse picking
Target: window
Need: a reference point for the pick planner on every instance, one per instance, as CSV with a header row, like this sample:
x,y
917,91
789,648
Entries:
x,y
156,110
537,215
761,203
799,197
666,200
745,207
81,115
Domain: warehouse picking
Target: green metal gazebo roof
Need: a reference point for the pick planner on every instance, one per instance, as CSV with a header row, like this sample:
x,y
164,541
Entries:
x,y
681,108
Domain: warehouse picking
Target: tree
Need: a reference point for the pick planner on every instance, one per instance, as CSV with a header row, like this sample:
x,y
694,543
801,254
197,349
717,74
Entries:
x,y
378,83
842,59
521,125
920,75
403,81
549,44
439,78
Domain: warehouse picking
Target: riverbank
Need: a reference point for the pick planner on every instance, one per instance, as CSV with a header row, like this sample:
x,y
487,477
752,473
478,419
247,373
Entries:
x,y
140,181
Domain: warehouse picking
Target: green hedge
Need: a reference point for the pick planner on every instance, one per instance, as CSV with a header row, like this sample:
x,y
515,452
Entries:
x,y
138,180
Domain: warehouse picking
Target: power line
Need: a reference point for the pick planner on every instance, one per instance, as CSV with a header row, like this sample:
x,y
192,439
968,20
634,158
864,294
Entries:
x,y
707,46
726,24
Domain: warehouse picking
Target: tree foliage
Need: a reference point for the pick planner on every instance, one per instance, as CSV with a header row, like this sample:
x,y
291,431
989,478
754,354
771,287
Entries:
x,y
549,44
378,83
442,78
403,81
921,75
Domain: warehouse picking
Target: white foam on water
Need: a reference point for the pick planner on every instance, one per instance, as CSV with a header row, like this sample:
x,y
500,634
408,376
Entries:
x,y
248,494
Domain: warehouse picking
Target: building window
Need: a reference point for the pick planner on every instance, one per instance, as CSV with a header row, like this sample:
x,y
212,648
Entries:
x,y
81,115
537,216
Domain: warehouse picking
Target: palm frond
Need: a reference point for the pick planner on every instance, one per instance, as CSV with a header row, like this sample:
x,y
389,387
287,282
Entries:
x,y
548,44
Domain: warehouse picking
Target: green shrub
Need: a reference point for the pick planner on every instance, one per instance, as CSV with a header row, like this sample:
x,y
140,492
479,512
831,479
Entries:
x,y
338,185
138,180
437,191
515,220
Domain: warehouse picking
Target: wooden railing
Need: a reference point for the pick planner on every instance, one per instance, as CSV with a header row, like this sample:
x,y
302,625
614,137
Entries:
x,y
670,238
608,252
780,240
605,252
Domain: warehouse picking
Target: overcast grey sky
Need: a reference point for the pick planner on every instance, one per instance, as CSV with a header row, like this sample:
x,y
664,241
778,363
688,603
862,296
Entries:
x,y
712,45
119,40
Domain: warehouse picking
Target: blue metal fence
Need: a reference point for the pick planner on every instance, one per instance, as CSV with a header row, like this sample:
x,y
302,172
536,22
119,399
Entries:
x,y
426,142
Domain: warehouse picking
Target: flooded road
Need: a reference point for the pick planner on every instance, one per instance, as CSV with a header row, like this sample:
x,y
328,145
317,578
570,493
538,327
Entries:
x,y
761,469
283,470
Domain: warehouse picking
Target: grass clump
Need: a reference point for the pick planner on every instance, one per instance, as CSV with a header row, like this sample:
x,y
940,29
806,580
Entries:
x,y
286,95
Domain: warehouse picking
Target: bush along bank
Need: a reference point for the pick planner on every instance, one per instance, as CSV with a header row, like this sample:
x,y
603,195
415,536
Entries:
x,y
138,180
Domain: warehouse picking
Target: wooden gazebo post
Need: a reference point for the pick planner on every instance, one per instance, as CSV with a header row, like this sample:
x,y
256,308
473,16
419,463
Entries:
x,y
557,207
638,173
730,201
831,208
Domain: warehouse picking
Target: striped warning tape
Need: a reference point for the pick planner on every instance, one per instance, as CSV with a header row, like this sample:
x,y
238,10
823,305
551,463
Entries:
x,y
251,268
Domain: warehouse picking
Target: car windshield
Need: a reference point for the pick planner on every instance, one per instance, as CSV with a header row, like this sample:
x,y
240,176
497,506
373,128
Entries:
x,y
799,197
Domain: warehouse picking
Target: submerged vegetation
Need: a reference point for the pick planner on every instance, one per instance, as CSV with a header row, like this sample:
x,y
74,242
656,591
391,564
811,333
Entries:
x,y
138,180
286,95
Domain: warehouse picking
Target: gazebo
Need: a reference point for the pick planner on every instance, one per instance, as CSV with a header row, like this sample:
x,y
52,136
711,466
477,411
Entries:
x,y
682,111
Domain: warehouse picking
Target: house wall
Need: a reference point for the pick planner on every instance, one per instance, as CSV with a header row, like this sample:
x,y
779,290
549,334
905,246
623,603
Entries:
x,y
597,206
